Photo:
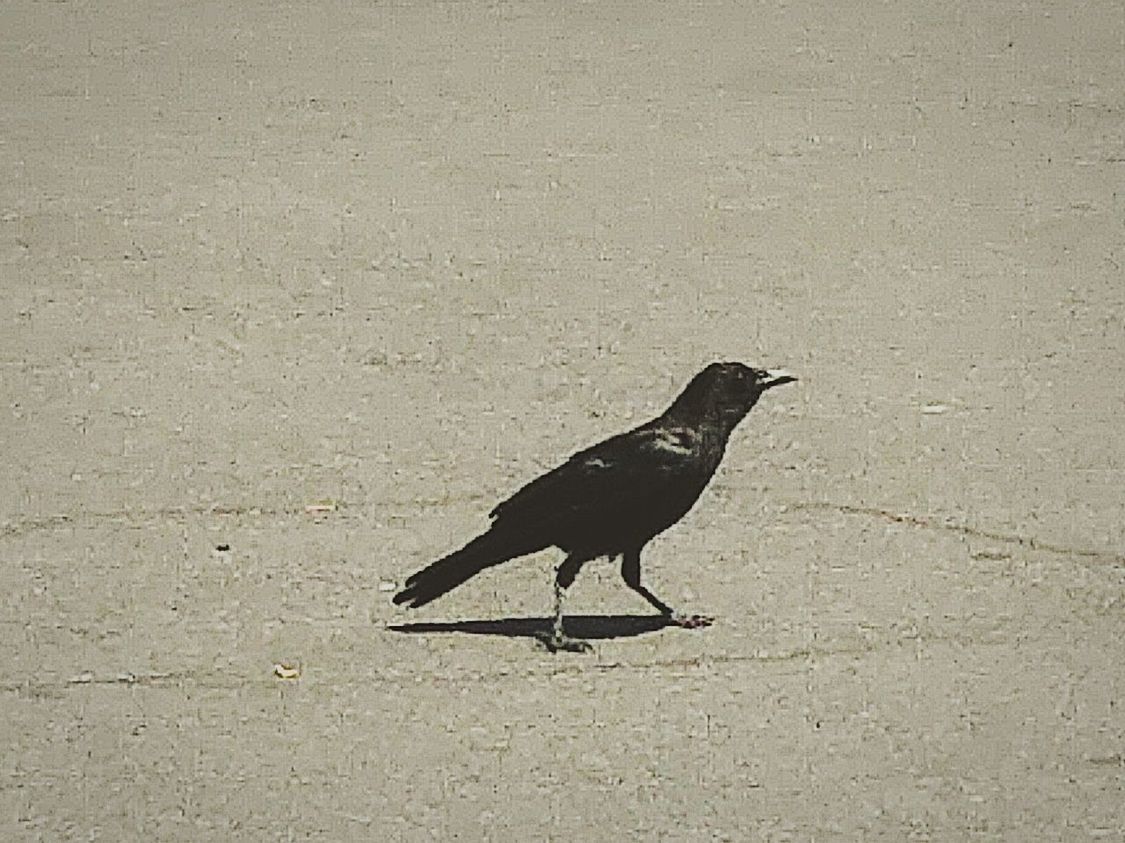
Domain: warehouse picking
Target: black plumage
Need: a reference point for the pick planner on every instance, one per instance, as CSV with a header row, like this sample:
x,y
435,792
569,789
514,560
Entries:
x,y
612,498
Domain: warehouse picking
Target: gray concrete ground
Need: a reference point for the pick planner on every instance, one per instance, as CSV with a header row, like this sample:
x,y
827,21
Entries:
x,y
396,258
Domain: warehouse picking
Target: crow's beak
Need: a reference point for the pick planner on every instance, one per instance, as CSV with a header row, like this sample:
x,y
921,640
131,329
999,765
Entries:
x,y
777,378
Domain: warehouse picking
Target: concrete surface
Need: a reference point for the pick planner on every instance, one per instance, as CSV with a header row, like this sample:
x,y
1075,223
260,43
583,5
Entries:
x,y
389,260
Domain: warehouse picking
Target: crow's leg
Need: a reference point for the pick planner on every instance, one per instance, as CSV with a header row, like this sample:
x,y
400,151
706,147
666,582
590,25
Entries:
x,y
558,639
631,573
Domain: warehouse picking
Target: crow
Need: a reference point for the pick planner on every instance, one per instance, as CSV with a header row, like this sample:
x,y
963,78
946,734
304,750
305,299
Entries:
x,y
611,499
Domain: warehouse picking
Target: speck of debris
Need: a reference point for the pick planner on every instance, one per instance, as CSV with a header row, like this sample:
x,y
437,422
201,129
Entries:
x,y
286,671
222,548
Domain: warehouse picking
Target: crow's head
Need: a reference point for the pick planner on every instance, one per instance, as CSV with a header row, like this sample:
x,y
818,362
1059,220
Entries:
x,y
727,391
738,378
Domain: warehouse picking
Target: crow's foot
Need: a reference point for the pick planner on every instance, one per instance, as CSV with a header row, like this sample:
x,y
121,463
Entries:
x,y
691,621
564,644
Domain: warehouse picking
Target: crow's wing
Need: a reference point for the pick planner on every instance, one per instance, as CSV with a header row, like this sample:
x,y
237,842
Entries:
x,y
648,461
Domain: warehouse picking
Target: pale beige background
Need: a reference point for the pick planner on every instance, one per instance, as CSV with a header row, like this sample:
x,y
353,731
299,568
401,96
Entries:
x,y
403,256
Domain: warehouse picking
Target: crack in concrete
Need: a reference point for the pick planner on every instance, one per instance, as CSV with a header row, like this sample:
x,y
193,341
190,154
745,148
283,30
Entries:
x,y
24,526
926,523
138,517
555,667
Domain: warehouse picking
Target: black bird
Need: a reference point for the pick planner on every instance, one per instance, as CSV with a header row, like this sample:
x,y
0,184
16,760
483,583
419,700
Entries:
x,y
610,499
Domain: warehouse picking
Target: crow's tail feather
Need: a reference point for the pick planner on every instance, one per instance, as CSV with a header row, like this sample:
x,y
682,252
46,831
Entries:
x,y
446,574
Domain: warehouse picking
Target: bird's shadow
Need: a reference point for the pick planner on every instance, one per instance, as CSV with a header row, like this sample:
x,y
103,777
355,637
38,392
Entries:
x,y
587,627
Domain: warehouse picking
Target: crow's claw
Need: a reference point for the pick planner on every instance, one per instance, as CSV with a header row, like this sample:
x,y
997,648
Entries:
x,y
565,644
692,621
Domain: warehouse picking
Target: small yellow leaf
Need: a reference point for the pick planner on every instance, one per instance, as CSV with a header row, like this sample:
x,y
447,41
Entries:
x,y
286,671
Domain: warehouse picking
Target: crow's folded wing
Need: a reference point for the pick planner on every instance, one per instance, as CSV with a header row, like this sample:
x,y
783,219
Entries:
x,y
644,462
